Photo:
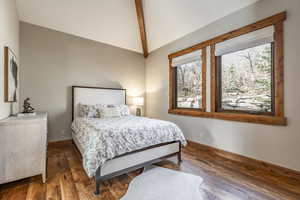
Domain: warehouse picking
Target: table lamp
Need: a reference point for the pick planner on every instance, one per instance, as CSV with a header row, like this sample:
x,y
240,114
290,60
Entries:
x,y
139,102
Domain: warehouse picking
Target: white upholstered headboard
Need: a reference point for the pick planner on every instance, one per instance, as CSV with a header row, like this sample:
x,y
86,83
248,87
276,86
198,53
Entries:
x,y
95,95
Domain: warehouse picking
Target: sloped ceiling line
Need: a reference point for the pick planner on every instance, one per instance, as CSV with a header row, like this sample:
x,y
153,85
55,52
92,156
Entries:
x,y
141,21
114,22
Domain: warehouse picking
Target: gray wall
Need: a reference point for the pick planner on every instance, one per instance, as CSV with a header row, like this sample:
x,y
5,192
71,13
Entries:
x,y
275,144
9,36
53,61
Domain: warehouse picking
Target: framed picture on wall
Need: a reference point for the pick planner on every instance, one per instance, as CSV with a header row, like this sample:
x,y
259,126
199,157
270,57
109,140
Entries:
x,y
10,75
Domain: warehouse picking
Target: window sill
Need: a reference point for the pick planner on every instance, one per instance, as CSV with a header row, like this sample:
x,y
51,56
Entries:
x,y
251,118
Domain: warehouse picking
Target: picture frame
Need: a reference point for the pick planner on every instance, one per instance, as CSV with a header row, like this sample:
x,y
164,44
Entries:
x,y
10,75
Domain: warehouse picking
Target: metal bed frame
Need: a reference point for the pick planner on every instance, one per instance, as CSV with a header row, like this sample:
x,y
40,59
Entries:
x,y
98,178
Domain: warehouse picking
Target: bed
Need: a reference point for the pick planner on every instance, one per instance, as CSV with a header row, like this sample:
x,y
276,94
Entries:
x,y
114,146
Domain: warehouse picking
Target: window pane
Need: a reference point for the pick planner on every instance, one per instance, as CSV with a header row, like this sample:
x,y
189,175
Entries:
x,y
247,80
189,85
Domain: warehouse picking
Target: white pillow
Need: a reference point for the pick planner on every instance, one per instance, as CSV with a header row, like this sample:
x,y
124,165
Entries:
x,y
110,112
124,109
88,111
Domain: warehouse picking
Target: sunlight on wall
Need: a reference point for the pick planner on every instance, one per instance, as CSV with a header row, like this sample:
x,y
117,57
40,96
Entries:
x,y
134,92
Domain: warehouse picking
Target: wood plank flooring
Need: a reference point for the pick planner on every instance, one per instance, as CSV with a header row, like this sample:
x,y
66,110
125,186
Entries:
x,y
224,179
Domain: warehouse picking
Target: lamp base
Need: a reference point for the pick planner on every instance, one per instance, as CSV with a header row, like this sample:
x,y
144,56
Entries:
x,y
138,112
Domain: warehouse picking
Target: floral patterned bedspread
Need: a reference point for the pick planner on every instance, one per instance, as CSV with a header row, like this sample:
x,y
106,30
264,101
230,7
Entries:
x,y
105,138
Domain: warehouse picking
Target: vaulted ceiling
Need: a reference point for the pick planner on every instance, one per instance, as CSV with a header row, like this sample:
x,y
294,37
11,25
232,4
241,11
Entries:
x,y
115,21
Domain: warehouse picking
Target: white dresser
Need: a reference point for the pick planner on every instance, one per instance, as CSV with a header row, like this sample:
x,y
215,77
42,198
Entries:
x,y
23,147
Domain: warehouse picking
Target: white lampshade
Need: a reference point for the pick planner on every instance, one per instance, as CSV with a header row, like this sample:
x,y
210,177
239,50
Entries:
x,y
138,101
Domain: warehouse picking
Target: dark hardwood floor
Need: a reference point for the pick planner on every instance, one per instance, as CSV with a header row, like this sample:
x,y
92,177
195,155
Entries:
x,y
224,179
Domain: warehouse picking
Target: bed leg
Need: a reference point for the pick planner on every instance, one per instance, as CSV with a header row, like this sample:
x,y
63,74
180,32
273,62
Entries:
x,y
98,182
179,157
179,154
97,191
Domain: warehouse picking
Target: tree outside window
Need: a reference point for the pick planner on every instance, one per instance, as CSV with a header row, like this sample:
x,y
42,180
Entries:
x,y
246,80
189,84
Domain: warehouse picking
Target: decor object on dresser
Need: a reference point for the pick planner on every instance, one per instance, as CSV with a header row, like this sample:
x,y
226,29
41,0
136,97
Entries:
x,y
27,108
10,75
138,102
23,147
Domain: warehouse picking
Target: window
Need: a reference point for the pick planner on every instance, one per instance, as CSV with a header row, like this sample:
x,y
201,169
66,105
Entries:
x,y
188,85
245,80
188,76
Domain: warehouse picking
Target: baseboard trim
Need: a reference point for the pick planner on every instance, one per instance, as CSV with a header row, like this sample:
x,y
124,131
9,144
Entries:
x,y
247,160
59,143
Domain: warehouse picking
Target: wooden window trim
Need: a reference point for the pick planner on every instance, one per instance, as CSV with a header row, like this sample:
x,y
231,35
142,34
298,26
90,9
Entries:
x,y
213,79
259,119
275,19
278,118
279,70
173,88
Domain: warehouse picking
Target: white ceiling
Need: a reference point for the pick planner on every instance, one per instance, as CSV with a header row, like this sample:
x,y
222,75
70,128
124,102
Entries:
x,y
169,20
114,21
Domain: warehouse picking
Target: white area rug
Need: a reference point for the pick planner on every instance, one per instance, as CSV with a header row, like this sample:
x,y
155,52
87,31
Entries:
x,y
159,183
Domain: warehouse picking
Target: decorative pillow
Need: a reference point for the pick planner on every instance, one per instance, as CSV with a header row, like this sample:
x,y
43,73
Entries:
x,y
88,111
110,112
124,109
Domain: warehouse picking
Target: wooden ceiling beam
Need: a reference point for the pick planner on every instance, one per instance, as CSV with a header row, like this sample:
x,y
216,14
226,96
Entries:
x,y
141,21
